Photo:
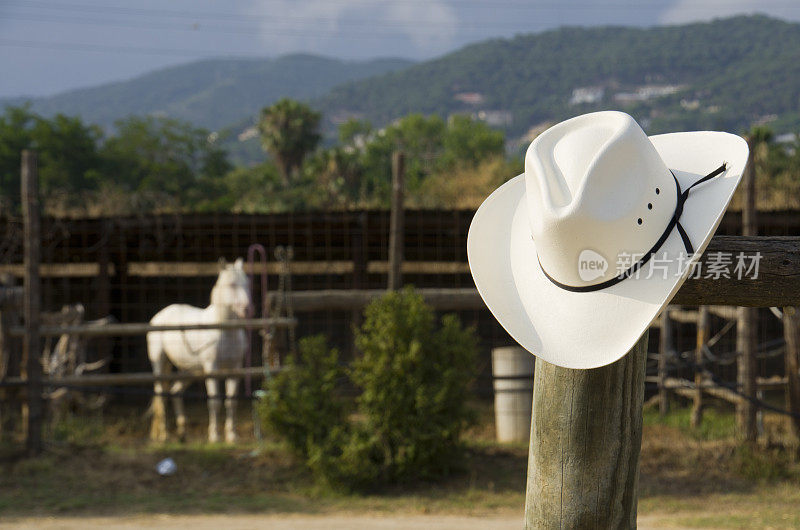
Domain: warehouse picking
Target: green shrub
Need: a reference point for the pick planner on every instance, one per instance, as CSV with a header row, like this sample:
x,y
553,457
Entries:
x,y
414,382
350,458
299,403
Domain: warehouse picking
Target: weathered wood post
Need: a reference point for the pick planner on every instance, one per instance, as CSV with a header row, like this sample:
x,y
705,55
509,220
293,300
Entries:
x,y
665,348
104,286
358,234
586,435
791,333
397,221
31,344
747,317
10,305
702,337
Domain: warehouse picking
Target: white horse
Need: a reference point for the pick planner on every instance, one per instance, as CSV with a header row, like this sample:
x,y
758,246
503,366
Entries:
x,y
201,350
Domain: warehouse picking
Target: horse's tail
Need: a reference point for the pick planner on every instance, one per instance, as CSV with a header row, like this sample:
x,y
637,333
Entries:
x,y
148,414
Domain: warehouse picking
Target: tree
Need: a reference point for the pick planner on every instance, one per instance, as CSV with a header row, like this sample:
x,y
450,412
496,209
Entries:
x,y
69,157
337,175
165,157
255,189
15,135
289,131
68,154
468,142
431,145
354,133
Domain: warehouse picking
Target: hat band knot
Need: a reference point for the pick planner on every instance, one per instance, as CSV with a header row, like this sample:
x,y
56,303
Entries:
x,y
673,223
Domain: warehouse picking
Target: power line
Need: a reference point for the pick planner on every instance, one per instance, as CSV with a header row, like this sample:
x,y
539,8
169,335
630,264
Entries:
x,y
74,46
554,5
280,27
275,24
472,4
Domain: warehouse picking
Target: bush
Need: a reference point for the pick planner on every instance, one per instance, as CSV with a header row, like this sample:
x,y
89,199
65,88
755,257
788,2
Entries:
x,y
412,408
299,403
415,381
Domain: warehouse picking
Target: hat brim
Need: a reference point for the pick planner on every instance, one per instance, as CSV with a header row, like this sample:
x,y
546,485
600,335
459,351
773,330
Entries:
x,y
592,329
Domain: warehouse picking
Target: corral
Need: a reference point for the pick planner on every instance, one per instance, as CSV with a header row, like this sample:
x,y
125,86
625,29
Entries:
x,y
130,267
327,266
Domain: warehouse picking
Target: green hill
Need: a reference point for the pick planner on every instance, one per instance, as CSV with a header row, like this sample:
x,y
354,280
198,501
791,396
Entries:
x,y
726,74
211,93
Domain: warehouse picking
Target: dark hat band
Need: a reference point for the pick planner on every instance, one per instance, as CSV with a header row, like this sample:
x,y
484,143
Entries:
x,y
673,223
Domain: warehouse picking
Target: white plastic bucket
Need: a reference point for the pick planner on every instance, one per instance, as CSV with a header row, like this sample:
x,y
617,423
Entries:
x,y
512,371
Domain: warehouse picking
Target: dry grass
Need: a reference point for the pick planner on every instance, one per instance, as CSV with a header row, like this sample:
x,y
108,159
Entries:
x,y
689,479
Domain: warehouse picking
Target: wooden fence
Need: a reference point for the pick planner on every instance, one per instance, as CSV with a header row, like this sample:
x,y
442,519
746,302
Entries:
x,y
130,267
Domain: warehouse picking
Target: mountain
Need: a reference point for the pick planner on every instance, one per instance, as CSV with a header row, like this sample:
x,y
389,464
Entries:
x,y
726,74
211,93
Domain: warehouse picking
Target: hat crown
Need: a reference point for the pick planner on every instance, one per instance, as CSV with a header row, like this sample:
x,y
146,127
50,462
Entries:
x,y
595,185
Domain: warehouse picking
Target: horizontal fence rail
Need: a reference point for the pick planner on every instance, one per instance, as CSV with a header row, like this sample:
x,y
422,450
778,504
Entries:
x,y
776,284
143,378
115,330
355,299
211,269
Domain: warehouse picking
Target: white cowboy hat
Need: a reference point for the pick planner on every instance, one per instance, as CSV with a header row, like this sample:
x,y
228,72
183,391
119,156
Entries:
x,y
577,256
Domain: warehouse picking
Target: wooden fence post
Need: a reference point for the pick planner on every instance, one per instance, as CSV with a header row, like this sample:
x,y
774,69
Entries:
x,y
586,435
665,348
31,345
10,305
747,320
702,338
360,278
397,221
104,287
791,333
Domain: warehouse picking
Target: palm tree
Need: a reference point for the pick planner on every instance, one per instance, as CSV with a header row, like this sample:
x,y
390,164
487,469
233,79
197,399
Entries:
x,y
289,131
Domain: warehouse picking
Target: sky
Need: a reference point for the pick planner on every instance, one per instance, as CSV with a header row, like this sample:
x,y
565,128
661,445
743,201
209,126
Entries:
x,y
48,46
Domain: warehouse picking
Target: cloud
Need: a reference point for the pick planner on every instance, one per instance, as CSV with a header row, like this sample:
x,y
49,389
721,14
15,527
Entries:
x,y
683,11
335,26
440,22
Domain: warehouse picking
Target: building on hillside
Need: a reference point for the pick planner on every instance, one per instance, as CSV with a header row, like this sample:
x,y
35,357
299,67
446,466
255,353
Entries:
x,y
495,118
250,132
788,141
342,116
533,132
765,119
646,92
588,94
690,104
470,98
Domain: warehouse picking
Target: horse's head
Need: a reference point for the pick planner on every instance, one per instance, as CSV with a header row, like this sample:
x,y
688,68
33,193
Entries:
x,y
233,289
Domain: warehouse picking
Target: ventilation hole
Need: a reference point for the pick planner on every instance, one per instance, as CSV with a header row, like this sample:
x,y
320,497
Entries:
x,y
658,191
639,220
649,205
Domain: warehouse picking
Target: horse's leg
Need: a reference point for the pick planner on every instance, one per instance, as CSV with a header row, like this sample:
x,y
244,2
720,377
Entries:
x,y
231,385
158,425
177,403
214,406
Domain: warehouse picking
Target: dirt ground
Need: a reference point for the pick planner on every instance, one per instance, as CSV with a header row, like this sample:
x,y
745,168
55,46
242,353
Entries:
x,y
274,522
287,522
101,474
